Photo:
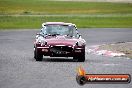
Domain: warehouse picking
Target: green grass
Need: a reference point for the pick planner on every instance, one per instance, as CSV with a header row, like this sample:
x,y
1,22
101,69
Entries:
x,y
23,22
97,14
61,7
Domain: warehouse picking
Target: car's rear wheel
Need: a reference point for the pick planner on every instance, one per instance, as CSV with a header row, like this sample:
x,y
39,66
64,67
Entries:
x,y
38,56
80,58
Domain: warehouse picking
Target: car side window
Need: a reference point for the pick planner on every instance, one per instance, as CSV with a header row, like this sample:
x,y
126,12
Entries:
x,y
75,32
43,31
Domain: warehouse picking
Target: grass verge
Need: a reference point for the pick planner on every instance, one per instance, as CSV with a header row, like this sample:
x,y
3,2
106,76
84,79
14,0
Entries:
x,y
31,22
112,15
62,7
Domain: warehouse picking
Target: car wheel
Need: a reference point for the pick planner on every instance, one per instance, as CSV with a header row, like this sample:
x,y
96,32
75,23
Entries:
x,y
80,58
37,56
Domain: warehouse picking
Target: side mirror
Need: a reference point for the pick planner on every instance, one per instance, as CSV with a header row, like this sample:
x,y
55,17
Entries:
x,y
79,36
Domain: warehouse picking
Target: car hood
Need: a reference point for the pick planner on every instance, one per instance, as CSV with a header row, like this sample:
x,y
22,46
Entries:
x,y
61,40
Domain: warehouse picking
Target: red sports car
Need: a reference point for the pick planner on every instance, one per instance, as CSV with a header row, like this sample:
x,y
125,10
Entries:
x,y
59,39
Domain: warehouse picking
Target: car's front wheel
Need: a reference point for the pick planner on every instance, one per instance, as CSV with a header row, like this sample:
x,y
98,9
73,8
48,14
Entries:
x,y
80,57
37,56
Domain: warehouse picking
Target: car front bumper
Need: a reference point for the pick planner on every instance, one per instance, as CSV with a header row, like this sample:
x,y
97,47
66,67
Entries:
x,y
60,51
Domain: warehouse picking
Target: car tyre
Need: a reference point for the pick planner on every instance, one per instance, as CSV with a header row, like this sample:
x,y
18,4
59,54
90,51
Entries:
x,y
80,58
37,56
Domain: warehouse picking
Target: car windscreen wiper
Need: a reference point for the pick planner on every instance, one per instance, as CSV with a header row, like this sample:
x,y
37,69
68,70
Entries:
x,y
69,35
52,34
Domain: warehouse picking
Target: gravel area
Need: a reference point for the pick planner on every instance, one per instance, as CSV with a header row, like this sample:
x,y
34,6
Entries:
x,y
124,47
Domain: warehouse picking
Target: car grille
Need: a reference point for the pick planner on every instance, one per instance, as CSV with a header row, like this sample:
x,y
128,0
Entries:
x,y
61,49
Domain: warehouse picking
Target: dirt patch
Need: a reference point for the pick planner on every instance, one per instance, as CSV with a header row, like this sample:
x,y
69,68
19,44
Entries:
x,y
124,47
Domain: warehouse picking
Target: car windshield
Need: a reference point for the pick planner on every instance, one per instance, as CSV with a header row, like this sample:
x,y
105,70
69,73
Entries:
x,y
58,30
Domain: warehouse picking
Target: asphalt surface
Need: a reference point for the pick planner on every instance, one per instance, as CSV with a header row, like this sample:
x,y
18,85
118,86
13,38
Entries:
x,y
18,69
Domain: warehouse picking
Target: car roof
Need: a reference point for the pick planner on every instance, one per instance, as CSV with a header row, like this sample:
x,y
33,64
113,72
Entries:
x,y
56,23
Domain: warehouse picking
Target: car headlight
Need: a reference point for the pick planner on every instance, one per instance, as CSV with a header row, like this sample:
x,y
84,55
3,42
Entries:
x,y
41,41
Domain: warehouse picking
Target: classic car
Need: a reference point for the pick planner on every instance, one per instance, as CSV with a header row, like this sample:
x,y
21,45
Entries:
x,y
59,39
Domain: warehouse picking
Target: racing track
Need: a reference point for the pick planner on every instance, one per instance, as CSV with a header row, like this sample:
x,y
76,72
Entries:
x,y
18,69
